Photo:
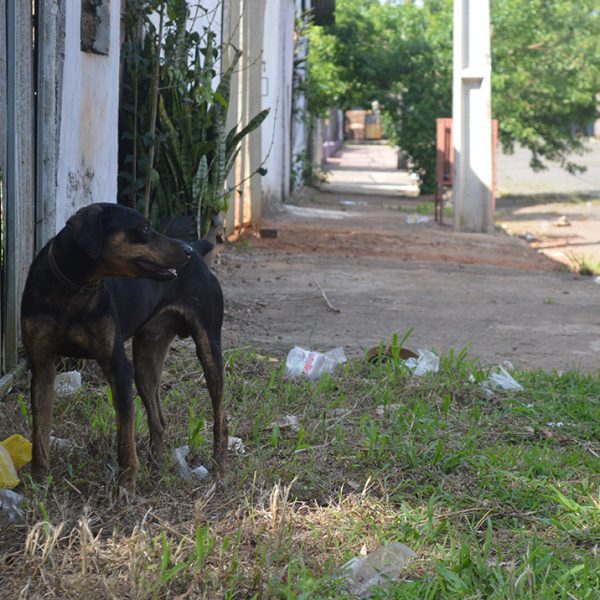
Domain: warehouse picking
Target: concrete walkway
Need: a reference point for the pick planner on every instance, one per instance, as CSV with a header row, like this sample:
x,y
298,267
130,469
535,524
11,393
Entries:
x,y
350,269
368,169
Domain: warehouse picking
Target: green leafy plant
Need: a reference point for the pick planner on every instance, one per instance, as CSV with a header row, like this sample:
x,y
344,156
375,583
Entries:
x,y
175,150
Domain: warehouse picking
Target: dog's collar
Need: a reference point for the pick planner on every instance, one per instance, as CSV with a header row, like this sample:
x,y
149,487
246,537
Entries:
x,y
62,278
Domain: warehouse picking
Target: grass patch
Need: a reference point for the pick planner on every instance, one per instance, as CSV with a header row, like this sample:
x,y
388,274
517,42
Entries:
x,y
499,497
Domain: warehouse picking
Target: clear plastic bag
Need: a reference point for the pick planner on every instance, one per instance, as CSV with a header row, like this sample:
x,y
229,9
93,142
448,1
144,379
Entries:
x,y
11,508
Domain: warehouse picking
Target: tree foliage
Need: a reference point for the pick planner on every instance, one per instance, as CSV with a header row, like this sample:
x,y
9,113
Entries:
x,y
545,60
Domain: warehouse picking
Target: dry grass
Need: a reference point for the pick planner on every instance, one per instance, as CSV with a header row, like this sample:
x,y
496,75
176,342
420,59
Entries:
x,y
442,469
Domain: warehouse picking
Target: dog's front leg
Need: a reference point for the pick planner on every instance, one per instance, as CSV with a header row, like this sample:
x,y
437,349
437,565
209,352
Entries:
x,y
119,373
43,374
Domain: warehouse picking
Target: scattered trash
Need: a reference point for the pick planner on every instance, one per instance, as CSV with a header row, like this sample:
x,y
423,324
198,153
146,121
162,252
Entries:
x,y
15,452
61,443
19,449
416,219
597,279
287,422
334,413
67,383
376,353
185,471
8,474
354,203
236,445
562,222
377,568
500,379
313,365
11,508
529,237
383,408
427,362
558,424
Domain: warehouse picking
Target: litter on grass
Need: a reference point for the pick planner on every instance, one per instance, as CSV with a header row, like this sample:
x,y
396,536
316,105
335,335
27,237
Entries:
x,y
286,422
500,379
67,383
377,568
236,445
416,219
312,365
427,362
15,452
183,468
11,508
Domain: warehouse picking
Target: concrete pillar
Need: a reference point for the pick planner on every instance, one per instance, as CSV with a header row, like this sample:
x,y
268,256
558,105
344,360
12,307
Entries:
x,y
472,114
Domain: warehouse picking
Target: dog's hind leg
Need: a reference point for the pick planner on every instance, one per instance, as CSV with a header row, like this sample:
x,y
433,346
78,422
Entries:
x,y
149,351
43,375
208,349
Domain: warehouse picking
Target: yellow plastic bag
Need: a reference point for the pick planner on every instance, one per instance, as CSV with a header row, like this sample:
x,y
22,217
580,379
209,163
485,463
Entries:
x,y
19,449
8,474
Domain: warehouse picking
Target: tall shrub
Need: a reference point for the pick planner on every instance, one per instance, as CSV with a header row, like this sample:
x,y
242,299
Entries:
x,y
181,152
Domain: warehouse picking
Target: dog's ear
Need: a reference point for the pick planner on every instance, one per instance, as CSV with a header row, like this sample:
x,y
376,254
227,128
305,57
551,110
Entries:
x,y
86,227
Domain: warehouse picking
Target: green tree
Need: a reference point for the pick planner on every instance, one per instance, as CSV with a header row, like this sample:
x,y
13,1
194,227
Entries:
x,y
546,74
545,60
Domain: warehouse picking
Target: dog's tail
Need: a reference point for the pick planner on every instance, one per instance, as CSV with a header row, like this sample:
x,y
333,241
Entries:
x,y
202,247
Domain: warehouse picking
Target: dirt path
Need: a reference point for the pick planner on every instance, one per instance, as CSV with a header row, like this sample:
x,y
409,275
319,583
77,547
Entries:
x,y
348,270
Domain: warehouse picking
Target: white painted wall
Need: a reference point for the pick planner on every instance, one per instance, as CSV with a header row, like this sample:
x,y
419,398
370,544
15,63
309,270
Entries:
x,y
87,156
277,95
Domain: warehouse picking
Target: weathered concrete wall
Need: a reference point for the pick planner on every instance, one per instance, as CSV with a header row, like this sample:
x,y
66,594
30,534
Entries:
x,y
87,155
277,71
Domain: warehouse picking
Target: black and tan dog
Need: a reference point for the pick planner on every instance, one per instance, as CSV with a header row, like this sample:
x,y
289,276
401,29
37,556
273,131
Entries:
x,y
106,277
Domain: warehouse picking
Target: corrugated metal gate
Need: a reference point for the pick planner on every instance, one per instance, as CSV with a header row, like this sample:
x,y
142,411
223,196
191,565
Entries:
x,y
17,152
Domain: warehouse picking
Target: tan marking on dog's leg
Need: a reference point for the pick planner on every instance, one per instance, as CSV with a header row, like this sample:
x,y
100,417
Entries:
x,y
148,359
212,364
42,403
118,371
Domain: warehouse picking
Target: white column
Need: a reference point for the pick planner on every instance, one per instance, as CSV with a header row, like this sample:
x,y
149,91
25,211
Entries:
x,y
471,115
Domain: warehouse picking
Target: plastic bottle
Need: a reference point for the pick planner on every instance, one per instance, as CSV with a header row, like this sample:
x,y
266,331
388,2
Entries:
x,y
313,365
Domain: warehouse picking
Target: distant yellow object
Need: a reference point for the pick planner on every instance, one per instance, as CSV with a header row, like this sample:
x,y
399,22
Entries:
x,y
8,474
19,449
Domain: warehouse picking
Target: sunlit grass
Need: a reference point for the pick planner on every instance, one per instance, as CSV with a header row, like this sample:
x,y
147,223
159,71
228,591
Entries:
x,y
499,496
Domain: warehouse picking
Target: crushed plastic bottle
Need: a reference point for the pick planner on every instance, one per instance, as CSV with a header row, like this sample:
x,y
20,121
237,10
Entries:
x,y
11,508
67,383
377,568
312,365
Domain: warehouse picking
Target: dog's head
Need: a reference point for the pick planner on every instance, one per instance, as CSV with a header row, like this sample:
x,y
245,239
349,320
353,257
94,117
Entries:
x,y
122,242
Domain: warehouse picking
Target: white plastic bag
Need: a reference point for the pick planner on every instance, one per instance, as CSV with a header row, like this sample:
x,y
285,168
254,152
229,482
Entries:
x,y
500,379
312,365
427,362
185,471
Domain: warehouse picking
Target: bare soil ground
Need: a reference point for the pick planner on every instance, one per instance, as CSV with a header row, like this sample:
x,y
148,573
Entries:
x,y
348,270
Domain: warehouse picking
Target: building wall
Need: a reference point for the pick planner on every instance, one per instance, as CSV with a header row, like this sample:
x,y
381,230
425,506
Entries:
x,y
277,72
88,136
